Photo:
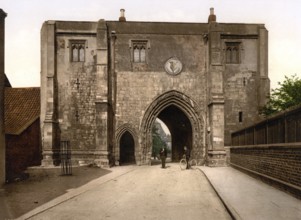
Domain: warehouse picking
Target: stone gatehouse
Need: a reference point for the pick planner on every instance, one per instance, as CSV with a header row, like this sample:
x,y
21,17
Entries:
x,y
103,84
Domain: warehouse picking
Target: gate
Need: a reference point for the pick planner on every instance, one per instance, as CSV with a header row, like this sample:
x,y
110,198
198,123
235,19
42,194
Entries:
x,y
66,164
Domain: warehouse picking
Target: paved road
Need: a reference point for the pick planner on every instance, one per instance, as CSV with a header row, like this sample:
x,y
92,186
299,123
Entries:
x,y
146,192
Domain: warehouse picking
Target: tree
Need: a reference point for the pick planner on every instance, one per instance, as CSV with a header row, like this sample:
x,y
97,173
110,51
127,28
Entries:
x,y
287,95
158,143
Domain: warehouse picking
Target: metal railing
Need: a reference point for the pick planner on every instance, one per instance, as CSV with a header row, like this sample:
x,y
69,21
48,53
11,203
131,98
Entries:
x,y
66,163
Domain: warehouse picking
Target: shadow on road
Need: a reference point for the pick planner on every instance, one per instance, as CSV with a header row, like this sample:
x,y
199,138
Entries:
x,y
42,186
158,161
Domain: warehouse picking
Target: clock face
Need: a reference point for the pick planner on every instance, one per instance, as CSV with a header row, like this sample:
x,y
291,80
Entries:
x,y
173,66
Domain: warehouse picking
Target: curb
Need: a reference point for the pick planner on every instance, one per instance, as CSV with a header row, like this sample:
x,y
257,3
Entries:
x,y
72,193
232,212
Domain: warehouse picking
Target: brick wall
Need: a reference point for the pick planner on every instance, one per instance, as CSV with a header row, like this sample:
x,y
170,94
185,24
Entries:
x,y
278,164
22,151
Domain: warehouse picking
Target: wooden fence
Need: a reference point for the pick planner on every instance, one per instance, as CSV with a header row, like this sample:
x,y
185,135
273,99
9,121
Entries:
x,y
284,127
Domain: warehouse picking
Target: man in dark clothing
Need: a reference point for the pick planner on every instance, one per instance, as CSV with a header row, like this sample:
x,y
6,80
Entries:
x,y
187,156
163,155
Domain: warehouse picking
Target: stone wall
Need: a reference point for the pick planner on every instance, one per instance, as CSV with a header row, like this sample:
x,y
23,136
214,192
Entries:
x,y
241,82
77,92
279,164
95,101
137,89
245,89
73,88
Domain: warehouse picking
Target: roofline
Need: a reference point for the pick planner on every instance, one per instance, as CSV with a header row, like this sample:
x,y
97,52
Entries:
x,y
24,127
178,22
156,22
34,87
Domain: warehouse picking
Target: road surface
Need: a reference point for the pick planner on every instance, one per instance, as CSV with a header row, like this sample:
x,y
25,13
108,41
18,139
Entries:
x,y
144,192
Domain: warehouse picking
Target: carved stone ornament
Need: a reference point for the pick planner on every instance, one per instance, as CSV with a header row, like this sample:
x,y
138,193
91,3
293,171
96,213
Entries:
x,y
173,66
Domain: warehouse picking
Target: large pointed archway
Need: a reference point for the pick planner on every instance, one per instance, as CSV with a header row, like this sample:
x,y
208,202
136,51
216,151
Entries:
x,y
184,119
180,129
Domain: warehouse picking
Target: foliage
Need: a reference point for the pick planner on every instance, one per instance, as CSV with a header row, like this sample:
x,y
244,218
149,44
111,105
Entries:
x,y
287,95
158,143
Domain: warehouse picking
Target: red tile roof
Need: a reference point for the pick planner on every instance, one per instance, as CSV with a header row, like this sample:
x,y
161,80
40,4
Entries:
x,y
22,108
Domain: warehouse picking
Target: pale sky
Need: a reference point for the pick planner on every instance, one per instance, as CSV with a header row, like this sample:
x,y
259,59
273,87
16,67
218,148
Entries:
x,y
282,18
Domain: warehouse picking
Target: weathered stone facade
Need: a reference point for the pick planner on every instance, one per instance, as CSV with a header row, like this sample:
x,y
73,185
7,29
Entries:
x,y
102,80
2,85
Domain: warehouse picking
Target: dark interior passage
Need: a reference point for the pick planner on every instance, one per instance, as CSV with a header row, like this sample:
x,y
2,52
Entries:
x,y
127,149
180,129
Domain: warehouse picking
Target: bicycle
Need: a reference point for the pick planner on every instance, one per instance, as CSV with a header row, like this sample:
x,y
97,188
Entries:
x,y
183,163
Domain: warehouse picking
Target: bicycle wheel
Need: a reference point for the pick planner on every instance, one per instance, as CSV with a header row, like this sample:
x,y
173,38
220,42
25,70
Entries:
x,y
183,164
193,163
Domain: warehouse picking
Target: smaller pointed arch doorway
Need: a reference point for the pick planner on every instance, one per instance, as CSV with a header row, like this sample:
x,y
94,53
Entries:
x,y
127,149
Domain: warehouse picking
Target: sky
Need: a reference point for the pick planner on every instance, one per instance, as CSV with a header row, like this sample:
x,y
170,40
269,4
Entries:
x,y
24,20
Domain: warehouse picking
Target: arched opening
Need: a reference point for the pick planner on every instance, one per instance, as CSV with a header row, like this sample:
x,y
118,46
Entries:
x,y
180,129
161,138
127,149
185,121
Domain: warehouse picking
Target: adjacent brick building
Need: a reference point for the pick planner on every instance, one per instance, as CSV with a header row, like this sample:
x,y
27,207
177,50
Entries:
x,y
103,80
22,130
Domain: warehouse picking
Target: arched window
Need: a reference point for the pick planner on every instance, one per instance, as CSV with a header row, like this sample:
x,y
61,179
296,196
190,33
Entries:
x,y
228,55
81,53
232,52
234,57
136,54
139,51
77,51
74,53
142,54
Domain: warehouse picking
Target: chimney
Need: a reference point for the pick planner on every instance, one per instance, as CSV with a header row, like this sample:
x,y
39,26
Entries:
x,y
122,18
212,16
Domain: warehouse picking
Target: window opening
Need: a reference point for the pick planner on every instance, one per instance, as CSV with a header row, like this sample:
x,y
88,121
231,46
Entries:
x,y
228,55
136,55
232,52
240,116
139,51
244,81
77,51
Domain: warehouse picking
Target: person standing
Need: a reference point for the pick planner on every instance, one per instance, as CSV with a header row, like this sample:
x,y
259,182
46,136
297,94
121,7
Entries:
x,y
187,156
163,155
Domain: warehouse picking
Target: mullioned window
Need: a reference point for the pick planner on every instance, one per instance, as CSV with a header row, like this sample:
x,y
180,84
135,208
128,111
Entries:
x,y
232,52
77,51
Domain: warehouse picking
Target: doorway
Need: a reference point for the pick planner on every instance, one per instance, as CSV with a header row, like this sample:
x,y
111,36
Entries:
x,y
127,149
